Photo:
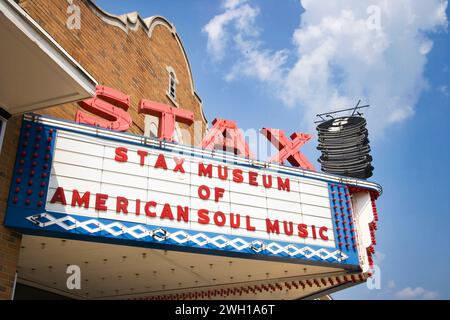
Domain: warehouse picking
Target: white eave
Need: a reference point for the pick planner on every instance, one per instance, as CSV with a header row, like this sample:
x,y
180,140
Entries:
x,y
35,71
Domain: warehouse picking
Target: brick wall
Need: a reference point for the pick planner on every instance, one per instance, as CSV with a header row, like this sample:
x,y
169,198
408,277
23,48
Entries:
x,y
9,239
128,61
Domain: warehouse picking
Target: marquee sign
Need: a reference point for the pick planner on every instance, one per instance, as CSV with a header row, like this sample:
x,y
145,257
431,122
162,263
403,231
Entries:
x,y
77,181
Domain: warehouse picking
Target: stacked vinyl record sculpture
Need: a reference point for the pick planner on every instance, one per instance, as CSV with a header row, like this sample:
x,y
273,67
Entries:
x,y
345,147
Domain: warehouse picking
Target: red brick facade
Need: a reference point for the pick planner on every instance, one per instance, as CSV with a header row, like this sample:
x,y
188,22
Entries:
x,y
126,54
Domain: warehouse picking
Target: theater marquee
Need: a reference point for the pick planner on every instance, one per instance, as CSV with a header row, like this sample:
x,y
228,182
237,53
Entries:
x,y
87,183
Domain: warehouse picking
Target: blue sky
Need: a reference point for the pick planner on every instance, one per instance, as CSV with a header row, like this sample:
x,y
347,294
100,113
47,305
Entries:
x,y
275,64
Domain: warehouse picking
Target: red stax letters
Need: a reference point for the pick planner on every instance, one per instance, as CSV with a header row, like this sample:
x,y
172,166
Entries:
x,y
289,149
167,115
225,135
110,105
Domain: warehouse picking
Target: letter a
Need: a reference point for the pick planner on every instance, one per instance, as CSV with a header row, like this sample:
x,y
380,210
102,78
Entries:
x,y
59,196
74,280
225,135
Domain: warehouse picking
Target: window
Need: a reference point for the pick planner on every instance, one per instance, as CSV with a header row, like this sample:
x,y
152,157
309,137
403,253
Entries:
x,y
172,85
2,130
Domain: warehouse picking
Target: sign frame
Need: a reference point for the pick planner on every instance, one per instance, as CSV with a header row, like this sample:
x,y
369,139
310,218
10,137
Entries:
x,y
26,205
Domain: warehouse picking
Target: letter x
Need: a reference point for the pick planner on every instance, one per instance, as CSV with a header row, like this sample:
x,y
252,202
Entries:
x,y
288,149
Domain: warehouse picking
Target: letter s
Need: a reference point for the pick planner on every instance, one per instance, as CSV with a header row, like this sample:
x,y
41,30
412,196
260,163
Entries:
x,y
302,230
203,216
121,154
109,104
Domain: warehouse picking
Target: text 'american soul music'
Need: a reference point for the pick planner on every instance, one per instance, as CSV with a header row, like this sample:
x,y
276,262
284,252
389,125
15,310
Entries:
x,y
184,214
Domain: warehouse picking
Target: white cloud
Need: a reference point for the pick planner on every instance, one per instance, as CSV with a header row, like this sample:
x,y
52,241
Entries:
x,y
231,4
391,284
444,90
379,257
255,62
426,47
342,52
238,16
417,293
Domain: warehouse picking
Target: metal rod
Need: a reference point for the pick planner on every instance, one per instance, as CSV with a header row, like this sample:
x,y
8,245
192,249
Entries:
x,y
333,112
356,107
329,114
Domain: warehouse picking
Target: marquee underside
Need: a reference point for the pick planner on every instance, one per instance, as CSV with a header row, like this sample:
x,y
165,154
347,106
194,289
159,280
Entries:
x,y
122,272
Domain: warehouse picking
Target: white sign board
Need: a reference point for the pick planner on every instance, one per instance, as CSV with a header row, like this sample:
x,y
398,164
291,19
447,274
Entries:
x,y
101,178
